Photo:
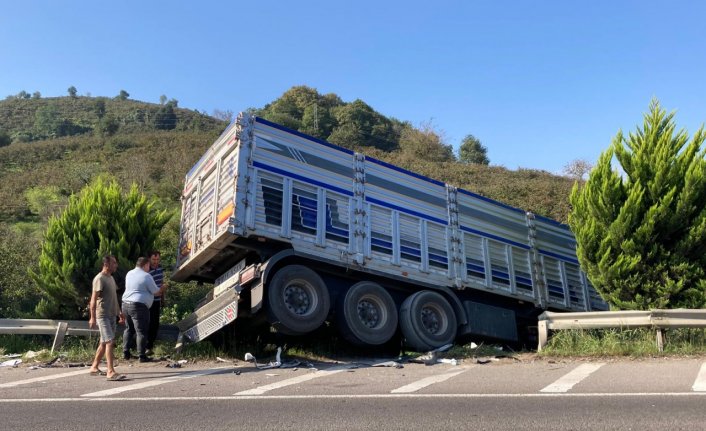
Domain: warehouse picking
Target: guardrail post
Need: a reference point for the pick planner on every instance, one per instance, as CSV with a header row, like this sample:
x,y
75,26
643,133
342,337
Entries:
x,y
59,337
660,340
543,332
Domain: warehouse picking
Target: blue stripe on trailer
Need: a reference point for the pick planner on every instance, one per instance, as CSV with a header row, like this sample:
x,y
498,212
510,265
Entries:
x,y
438,258
405,210
550,221
301,178
495,237
560,257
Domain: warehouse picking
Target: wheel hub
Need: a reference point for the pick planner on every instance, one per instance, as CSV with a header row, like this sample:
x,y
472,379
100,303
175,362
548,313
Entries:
x,y
431,320
368,313
297,299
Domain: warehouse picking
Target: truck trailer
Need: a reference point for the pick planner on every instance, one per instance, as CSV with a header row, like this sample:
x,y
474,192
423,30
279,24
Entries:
x,y
302,231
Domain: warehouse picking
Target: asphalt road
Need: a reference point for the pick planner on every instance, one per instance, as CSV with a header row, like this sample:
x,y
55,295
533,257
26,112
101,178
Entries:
x,y
529,394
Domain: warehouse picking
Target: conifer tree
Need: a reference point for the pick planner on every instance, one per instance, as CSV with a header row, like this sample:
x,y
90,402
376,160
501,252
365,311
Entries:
x,y
100,220
641,235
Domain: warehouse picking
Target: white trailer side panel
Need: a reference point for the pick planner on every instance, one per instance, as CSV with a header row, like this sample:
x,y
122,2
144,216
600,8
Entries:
x,y
262,180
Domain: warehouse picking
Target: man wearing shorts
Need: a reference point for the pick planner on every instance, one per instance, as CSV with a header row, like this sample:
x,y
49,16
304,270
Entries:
x,y
104,309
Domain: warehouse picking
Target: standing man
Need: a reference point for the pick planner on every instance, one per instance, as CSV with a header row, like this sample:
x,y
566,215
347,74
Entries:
x,y
140,290
158,276
104,310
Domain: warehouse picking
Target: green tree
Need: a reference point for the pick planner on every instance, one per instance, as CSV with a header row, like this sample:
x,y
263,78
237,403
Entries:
x,y
472,151
36,95
358,125
123,95
5,138
99,107
107,126
166,118
48,122
18,293
100,220
23,95
162,99
425,144
641,235
72,92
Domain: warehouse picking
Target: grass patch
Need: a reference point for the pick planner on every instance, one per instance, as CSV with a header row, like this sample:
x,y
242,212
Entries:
x,y
637,343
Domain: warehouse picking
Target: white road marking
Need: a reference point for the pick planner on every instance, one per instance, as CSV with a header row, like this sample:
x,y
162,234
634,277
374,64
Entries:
x,y
567,381
293,381
423,383
359,396
123,387
43,378
700,382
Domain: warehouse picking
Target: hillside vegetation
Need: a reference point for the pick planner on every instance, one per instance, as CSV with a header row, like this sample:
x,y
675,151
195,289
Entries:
x,y
50,148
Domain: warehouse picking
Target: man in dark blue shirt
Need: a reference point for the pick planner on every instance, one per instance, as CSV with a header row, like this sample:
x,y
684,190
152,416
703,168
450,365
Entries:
x,y
158,275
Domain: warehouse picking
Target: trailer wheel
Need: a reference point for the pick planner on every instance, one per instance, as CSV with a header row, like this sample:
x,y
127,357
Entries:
x,y
427,321
298,300
368,315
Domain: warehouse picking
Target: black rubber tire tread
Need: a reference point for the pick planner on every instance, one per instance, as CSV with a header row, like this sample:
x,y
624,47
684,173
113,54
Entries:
x,y
282,317
415,335
350,324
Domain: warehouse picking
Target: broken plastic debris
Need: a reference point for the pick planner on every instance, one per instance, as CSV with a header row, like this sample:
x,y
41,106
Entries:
x,y
219,359
290,364
182,361
427,359
11,363
447,361
473,345
388,364
276,364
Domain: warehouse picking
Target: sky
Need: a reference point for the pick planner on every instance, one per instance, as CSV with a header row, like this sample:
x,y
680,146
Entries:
x,y
540,83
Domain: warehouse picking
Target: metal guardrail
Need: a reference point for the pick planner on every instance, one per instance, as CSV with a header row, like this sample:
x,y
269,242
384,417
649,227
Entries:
x,y
61,328
656,319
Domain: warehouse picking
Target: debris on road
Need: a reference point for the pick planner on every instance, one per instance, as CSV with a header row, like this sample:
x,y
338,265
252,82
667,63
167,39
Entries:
x,y
393,364
277,363
11,363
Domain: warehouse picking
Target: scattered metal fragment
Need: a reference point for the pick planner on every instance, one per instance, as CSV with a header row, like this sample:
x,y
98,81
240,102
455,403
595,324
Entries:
x,y
277,363
393,364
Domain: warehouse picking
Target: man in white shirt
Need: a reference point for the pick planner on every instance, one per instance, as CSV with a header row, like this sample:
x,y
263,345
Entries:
x,y
140,290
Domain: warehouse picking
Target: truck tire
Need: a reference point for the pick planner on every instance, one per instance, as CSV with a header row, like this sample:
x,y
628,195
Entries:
x,y
298,300
368,315
427,321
